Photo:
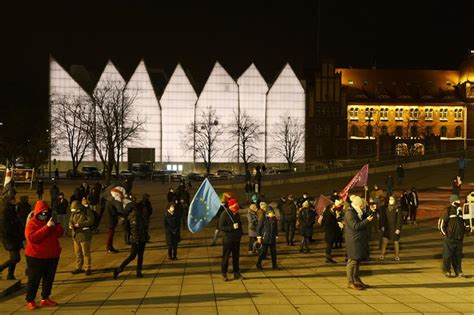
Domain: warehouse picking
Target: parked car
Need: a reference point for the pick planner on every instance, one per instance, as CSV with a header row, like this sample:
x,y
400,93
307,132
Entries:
x,y
70,174
90,172
225,174
141,170
124,174
166,175
195,176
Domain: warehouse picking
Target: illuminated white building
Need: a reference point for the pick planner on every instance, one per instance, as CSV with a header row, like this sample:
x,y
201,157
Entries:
x,y
167,118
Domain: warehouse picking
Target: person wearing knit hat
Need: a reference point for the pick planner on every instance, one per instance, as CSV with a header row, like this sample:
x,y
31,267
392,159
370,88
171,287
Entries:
x,y
231,225
267,236
306,219
453,227
81,222
252,226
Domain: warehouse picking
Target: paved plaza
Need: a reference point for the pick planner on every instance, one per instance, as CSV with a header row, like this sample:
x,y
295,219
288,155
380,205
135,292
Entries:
x,y
304,285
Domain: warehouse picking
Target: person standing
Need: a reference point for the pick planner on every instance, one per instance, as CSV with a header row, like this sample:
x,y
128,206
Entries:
x,y
391,220
112,210
61,207
453,228
457,182
405,206
171,223
148,211
413,205
138,235
288,213
252,226
249,190
40,189
12,236
81,223
332,228
267,232
356,223
42,254
231,225
400,174
389,185
258,180
23,209
171,196
54,194
462,163
306,218
94,197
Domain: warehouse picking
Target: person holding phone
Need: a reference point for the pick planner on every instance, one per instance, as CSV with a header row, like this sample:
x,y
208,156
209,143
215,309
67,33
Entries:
x,y
391,221
42,254
231,225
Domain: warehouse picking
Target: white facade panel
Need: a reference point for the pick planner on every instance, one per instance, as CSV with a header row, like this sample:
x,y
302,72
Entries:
x,y
146,109
252,98
221,94
177,105
286,98
62,85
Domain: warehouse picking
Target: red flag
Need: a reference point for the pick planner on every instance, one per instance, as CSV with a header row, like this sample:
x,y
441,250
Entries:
x,y
322,203
359,180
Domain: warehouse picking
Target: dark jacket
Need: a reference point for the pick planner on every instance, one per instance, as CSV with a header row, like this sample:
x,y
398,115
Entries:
x,y
54,193
356,235
94,196
172,224
226,225
404,202
400,171
307,218
453,226
111,213
268,230
331,228
171,197
138,227
288,211
11,229
23,209
391,219
40,188
147,208
61,206
413,199
84,218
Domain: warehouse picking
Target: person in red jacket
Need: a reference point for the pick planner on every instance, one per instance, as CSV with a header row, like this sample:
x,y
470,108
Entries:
x,y
42,254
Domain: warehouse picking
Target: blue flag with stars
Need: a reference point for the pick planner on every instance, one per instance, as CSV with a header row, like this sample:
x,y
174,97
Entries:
x,y
203,208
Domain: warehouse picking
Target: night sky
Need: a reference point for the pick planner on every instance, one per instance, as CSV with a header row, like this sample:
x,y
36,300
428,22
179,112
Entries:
x,y
390,34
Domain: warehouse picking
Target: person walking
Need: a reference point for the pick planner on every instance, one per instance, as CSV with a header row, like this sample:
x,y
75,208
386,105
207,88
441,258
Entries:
x,y
112,210
332,229
400,174
40,189
148,211
356,223
306,219
231,225
267,232
12,236
391,221
252,226
413,205
81,223
405,206
42,254
172,227
288,213
453,228
138,237
60,208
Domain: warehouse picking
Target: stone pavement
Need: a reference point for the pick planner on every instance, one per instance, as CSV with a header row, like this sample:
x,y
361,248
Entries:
x,y
304,285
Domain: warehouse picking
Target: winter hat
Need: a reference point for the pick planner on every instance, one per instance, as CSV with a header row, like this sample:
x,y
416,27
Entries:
x,y
263,206
290,197
270,212
306,204
233,205
254,198
253,207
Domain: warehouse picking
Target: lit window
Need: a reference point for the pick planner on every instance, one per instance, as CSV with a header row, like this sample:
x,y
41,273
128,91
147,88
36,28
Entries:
x,y
428,114
369,113
353,113
351,82
443,114
399,113
384,114
458,114
414,114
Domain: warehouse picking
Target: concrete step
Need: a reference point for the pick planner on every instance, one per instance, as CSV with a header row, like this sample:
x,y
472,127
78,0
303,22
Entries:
x,y
7,287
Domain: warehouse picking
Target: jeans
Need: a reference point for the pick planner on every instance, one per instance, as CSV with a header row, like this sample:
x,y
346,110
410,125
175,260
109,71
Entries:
x,y
228,249
138,249
40,269
353,267
452,255
273,253
83,253
11,263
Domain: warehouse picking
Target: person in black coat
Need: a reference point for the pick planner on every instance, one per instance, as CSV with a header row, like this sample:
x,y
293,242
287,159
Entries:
x,y
288,214
54,194
171,222
391,221
356,223
306,219
405,205
40,189
138,237
23,209
231,225
148,211
12,236
267,232
413,202
331,227
171,196
112,210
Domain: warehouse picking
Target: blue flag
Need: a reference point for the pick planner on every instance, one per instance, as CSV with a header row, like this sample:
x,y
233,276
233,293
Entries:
x,y
204,207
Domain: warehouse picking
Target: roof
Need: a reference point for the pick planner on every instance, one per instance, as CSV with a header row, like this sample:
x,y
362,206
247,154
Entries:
x,y
387,85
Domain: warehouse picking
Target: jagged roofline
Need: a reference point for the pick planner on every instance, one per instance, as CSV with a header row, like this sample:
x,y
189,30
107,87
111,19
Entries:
x,y
149,79
258,71
279,75
179,65
51,60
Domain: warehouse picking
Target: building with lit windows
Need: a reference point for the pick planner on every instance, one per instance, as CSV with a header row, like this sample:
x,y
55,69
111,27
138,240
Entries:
x,y
167,114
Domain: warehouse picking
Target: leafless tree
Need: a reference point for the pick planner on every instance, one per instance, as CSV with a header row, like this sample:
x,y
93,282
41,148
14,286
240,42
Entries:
x,y
289,140
246,136
202,136
66,125
111,123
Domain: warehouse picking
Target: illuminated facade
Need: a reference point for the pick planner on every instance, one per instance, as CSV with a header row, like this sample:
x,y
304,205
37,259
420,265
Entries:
x,y
167,117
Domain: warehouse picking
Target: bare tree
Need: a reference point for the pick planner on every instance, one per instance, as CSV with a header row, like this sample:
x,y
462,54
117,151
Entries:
x,y
246,135
111,123
66,124
289,140
202,135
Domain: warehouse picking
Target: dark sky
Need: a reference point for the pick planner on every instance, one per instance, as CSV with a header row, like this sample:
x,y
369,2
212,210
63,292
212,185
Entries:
x,y
394,34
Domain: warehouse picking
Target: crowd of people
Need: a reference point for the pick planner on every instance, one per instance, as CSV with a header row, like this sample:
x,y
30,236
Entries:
x,y
376,215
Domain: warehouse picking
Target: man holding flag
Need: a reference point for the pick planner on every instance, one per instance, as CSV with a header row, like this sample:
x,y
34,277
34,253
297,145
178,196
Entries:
x,y
359,180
